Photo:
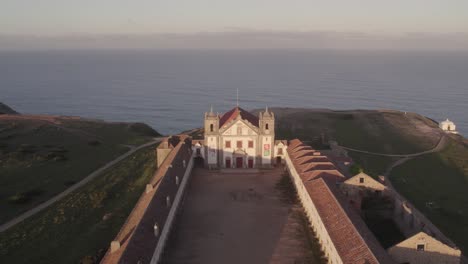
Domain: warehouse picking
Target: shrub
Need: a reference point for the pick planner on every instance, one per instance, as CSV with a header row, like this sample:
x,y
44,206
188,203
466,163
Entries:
x,y
355,169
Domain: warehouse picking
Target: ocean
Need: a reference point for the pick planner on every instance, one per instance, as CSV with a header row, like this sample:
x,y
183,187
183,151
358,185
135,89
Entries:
x,y
171,89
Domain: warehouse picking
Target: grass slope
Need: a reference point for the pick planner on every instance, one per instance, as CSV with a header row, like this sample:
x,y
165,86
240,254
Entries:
x,y
389,132
81,226
441,179
40,158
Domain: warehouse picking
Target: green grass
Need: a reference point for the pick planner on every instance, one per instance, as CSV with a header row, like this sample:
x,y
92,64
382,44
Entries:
x,y
440,178
384,132
372,165
74,228
48,158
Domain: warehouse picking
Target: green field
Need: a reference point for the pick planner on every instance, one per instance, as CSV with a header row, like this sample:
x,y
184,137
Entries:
x,y
442,180
388,132
39,159
80,226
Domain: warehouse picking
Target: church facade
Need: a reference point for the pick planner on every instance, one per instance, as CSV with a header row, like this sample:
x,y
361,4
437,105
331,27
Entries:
x,y
239,139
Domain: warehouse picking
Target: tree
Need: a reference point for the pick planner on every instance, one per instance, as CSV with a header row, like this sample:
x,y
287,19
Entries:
x,y
355,169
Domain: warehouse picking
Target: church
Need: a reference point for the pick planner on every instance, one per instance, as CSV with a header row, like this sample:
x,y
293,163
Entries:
x,y
240,139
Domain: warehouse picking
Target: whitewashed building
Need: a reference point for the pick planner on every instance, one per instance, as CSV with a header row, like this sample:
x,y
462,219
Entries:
x,y
239,139
448,126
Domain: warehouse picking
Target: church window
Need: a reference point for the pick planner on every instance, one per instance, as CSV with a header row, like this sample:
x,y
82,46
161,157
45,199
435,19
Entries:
x,y
211,128
280,151
198,151
228,144
239,130
251,144
239,144
361,180
420,247
266,126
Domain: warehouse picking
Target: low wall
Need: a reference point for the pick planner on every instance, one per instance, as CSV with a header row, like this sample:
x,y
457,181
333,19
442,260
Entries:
x,y
312,215
158,252
143,236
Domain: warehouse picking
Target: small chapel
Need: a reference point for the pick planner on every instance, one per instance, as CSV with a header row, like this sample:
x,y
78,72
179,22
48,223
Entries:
x,y
240,139
448,126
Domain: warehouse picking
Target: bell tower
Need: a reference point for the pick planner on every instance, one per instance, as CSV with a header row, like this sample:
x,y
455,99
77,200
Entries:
x,y
267,137
211,138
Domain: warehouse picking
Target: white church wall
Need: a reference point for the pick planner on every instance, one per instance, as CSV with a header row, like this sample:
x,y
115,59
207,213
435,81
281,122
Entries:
x,y
212,150
266,148
239,131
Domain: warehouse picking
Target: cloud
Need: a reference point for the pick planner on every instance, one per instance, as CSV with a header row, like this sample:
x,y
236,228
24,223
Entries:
x,y
243,39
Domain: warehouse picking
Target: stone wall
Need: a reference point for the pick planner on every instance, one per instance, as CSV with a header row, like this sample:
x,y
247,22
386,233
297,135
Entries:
x,y
411,221
158,252
312,214
143,236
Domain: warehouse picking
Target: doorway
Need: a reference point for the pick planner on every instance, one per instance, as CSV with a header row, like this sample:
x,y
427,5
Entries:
x,y
228,163
239,162
278,160
250,163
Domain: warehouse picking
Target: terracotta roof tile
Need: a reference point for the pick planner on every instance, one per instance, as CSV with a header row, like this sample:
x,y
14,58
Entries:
x,y
233,113
352,239
306,159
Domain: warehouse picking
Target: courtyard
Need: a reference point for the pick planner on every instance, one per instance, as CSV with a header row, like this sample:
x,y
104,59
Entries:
x,y
240,216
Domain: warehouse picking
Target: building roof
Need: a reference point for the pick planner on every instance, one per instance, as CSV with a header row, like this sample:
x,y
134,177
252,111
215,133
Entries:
x,y
234,113
422,237
447,121
368,179
136,237
351,237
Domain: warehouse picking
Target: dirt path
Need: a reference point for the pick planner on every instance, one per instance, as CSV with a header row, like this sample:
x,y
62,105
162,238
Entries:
x,y
72,188
404,158
440,145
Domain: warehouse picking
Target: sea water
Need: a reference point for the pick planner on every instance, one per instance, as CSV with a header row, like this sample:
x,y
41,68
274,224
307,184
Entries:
x,y
171,89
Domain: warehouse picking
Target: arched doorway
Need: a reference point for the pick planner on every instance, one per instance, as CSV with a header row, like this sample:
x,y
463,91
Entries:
x,y
239,158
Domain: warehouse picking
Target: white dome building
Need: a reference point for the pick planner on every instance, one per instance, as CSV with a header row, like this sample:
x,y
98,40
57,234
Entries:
x,y
448,126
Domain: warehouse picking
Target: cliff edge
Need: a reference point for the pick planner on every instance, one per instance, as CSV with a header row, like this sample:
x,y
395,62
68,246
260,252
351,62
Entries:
x,y
5,109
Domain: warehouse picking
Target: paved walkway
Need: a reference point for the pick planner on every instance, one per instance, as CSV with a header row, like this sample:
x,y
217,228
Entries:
x,y
236,218
72,188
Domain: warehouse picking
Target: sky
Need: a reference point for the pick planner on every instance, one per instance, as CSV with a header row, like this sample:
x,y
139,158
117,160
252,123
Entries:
x,y
60,22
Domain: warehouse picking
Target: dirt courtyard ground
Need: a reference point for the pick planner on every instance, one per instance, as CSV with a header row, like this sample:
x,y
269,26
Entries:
x,y
237,217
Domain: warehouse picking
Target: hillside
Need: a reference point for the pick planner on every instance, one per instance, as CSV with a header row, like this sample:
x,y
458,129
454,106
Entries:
x,y
436,183
5,109
40,156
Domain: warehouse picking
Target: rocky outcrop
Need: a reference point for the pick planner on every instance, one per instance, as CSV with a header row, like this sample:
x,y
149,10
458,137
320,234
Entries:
x,y
5,109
